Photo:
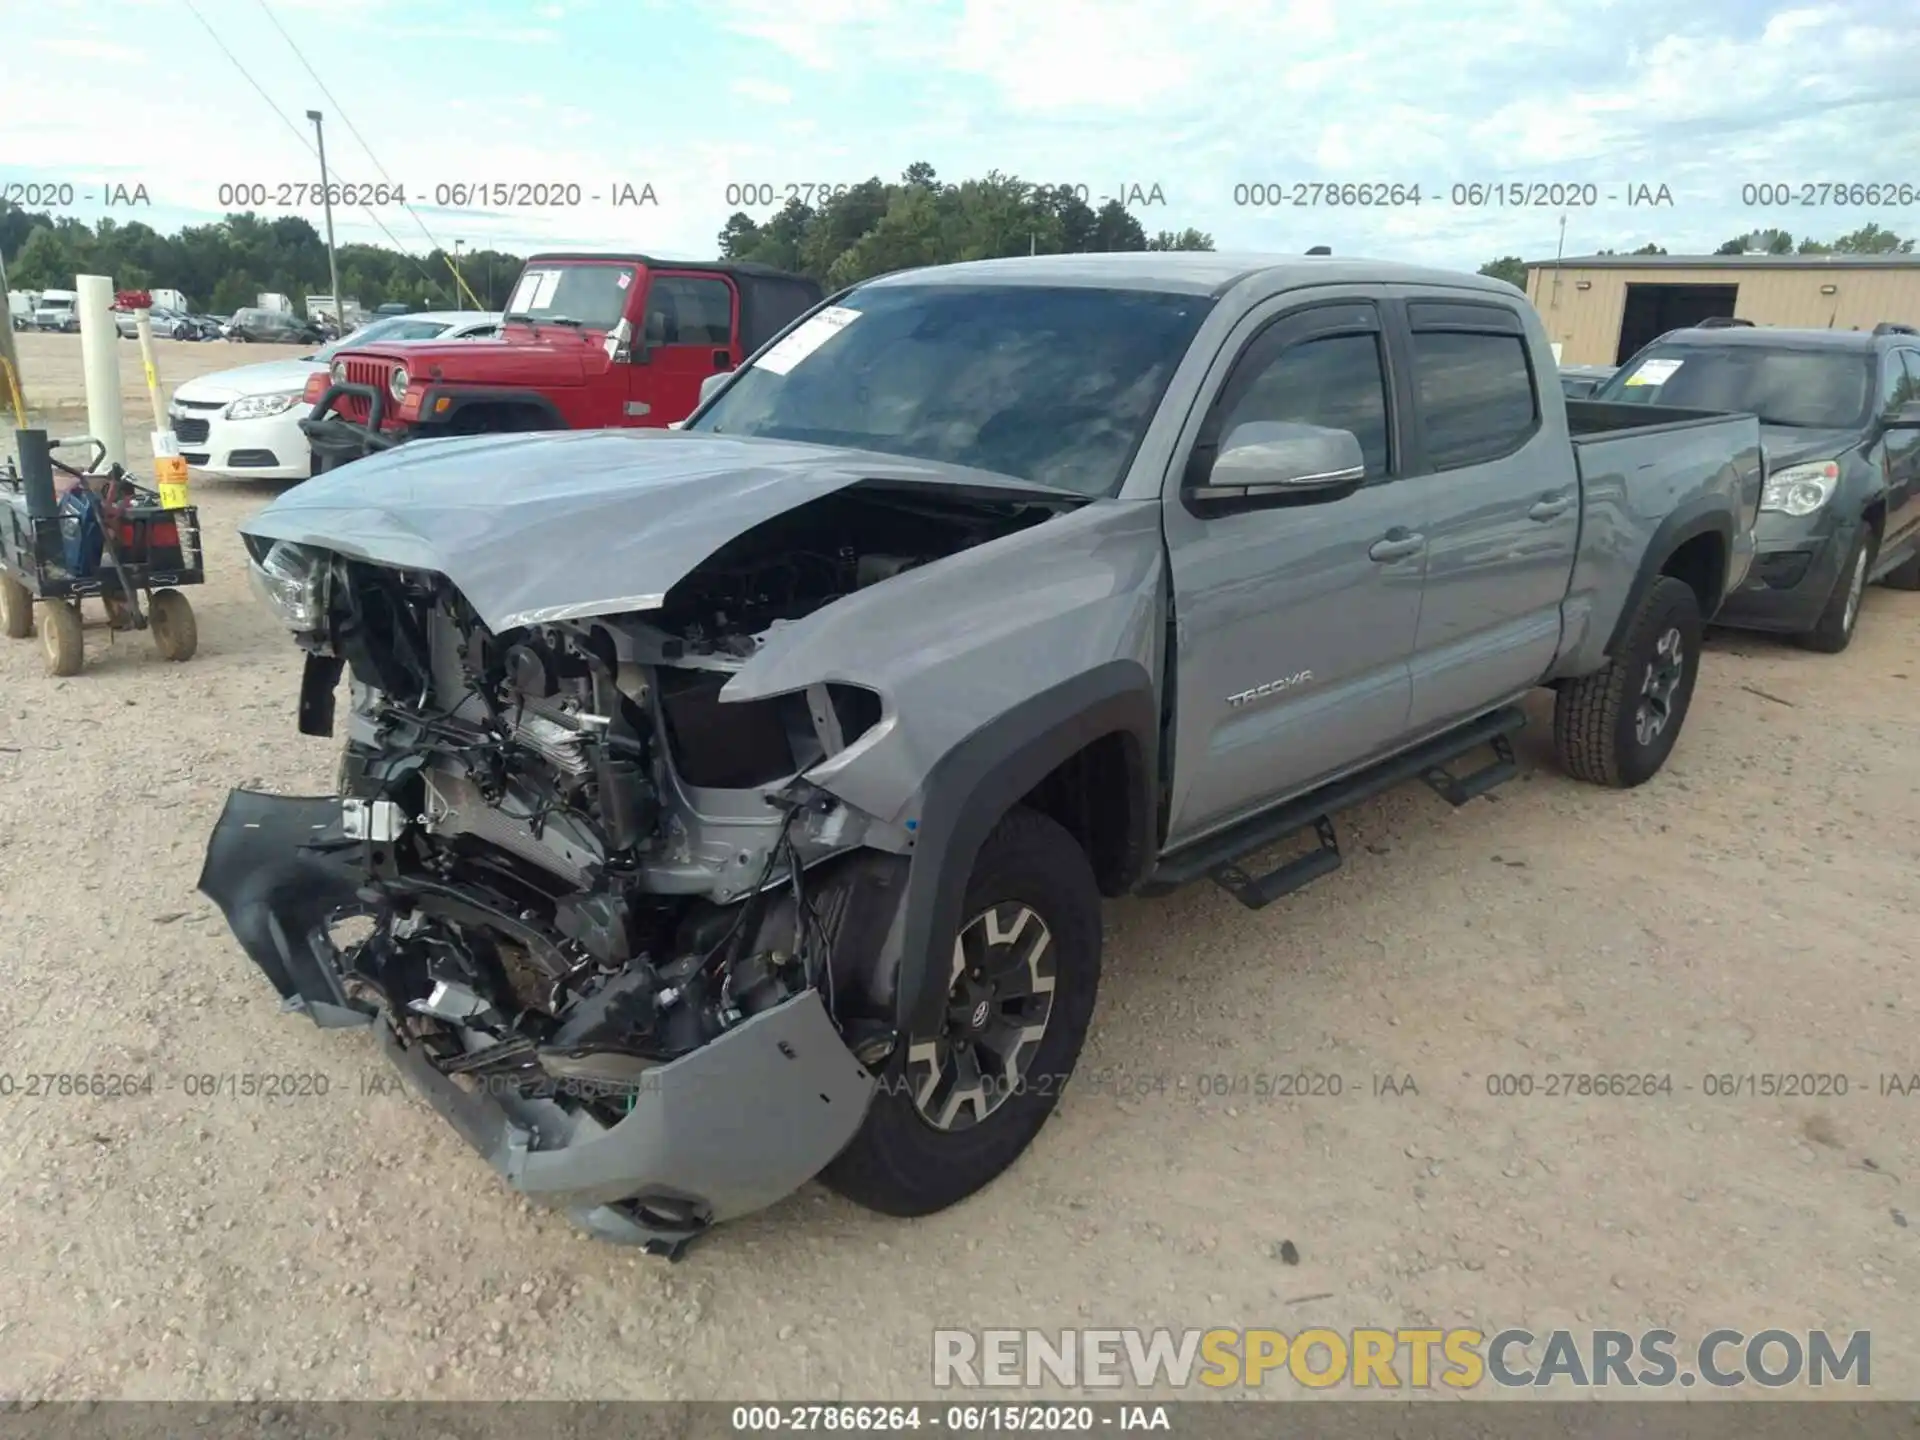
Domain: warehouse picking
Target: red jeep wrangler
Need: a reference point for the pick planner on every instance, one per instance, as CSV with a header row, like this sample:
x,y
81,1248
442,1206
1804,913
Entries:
x,y
587,341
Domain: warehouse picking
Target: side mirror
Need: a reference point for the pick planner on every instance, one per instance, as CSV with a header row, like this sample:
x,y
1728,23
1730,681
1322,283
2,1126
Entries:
x,y
713,383
1907,417
1265,458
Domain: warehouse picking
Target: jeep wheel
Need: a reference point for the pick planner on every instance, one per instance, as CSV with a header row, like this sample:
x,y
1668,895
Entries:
x,y
1834,631
956,1108
1617,726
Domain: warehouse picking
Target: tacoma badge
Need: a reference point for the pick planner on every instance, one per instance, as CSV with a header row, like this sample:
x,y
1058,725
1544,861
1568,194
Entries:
x,y
1272,687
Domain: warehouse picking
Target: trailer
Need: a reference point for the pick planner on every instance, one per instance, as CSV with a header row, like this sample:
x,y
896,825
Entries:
x,y
108,538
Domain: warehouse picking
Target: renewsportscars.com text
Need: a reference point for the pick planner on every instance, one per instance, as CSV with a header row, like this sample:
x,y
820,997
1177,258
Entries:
x,y
1399,1359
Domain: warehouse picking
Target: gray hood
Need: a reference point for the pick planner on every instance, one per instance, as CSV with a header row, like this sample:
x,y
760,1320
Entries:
x,y
535,528
1792,444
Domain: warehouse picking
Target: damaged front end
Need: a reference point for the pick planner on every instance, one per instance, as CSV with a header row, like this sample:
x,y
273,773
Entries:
x,y
602,921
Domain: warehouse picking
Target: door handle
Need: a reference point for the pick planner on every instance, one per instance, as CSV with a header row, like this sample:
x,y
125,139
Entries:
x,y
1550,507
1396,544
722,360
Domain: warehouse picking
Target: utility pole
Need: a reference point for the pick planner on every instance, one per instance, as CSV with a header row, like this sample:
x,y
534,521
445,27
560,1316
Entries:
x,y
459,275
326,200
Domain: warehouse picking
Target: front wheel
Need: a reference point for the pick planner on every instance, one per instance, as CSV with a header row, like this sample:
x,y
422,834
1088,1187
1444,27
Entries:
x,y
1833,632
956,1108
170,617
1617,726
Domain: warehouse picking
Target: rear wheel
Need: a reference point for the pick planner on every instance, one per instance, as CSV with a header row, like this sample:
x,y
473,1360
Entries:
x,y
16,608
1834,630
956,1108
61,638
1617,726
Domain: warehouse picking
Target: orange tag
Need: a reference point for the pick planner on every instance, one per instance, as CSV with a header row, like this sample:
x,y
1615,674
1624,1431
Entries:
x,y
172,473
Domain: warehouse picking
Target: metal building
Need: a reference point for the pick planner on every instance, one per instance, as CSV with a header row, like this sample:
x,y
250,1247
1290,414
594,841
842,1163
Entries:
x,y
1601,308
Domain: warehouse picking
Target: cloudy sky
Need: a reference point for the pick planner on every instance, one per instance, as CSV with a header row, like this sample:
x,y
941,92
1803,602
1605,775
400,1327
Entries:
x,y
1198,99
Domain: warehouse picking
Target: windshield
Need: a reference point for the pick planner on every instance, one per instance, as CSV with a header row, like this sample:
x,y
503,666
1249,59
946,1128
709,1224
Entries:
x,y
591,296
1050,385
1808,389
394,327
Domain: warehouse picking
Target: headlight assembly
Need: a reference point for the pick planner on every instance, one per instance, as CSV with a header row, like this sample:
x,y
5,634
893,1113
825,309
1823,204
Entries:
x,y
397,386
257,407
1800,489
294,580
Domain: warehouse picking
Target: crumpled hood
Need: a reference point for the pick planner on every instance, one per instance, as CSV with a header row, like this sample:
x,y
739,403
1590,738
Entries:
x,y
534,528
1790,445
270,377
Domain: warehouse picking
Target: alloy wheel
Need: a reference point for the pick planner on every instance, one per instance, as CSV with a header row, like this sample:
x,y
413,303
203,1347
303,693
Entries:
x,y
1661,684
999,1000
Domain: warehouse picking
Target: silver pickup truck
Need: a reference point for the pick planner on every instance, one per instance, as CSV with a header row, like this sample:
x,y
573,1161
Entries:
x,y
726,807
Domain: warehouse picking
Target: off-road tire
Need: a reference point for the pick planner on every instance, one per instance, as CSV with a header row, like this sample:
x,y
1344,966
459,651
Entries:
x,y
1834,630
1594,717
900,1164
1905,575
170,619
62,640
16,608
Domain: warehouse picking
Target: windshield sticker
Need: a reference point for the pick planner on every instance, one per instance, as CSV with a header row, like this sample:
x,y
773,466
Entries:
x,y
1654,372
625,279
807,339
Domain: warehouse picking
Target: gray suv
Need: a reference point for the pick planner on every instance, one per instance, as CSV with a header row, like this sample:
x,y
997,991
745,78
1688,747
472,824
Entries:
x,y
1840,418
728,806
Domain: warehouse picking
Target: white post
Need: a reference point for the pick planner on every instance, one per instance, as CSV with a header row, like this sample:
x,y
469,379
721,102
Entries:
x,y
100,357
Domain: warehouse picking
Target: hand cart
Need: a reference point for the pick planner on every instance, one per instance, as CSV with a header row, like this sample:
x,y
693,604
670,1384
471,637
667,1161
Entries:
x,y
108,538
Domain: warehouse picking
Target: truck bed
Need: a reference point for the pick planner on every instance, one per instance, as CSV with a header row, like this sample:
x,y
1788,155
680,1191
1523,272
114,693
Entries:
x,y
1625,447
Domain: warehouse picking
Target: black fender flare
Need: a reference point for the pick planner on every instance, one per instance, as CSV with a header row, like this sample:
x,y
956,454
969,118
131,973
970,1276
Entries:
x,y
1704,515
980,779
464,397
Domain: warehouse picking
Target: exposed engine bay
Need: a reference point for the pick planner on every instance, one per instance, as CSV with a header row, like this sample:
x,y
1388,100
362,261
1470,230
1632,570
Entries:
x,y
579,865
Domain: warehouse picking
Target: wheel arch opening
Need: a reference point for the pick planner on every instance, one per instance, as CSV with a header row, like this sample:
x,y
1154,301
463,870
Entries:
x,y
1096,795
1700,563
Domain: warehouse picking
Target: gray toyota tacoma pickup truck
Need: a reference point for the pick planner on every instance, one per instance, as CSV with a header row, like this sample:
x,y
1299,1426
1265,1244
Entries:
x,y
726,807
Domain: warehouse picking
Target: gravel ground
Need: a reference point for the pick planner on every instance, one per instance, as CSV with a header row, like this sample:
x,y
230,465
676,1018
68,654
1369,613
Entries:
x,y
1751,911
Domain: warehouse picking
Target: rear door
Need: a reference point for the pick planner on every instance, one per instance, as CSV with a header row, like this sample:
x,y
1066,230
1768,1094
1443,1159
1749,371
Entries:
x,y
1295,621
1502,508
687,334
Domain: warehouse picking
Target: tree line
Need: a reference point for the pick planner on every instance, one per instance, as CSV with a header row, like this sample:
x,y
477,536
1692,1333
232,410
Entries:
x,y
875,227
863,231
1867,240
224,265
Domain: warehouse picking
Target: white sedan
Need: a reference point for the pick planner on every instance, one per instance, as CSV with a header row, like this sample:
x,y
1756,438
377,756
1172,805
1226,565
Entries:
x,y
245,423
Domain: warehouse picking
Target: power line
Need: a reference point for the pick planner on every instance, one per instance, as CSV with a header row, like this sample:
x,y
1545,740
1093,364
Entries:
x,y
341,110
305,144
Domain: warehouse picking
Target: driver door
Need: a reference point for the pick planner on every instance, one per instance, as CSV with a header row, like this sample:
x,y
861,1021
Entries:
x,y
1296,621
687,334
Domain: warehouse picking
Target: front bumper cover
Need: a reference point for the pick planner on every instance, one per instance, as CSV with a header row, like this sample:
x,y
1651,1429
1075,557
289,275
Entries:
x,y
721,1132
1794,571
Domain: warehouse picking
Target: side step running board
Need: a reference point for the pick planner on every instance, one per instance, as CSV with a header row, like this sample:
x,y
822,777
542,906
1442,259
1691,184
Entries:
x,y
1458,790
1256,892
1217,857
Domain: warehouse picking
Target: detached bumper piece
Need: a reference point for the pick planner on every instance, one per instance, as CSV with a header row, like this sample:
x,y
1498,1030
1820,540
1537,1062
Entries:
x,y
731,1128
727,1129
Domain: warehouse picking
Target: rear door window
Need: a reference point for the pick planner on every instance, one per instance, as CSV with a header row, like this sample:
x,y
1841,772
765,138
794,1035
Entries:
x,y
1475,395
